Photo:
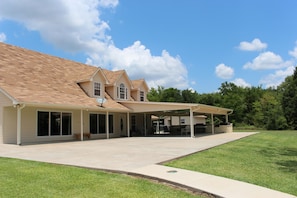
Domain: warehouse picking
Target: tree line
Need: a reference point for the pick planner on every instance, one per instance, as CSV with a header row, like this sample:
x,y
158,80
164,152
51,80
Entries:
x,y
270,108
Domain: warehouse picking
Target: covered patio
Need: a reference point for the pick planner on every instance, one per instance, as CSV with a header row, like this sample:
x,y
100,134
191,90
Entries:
x,y
161,109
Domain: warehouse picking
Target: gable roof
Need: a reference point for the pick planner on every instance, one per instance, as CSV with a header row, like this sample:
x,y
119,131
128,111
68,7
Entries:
x,y
137,84
90,78
34,78
114,76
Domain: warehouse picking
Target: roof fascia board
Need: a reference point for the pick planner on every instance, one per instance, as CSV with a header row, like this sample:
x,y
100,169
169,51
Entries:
x,y
14,101
102,73
76,107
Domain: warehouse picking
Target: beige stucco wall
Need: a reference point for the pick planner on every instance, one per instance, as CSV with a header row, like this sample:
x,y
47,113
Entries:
x,y
9,125
29,125
88,87
4,101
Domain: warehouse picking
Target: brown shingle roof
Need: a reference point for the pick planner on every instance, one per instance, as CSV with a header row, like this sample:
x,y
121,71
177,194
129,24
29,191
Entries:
x,y
137,83
33,77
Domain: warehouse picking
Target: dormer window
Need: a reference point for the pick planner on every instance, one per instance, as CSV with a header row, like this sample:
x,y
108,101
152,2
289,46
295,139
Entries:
x,y
141,95
122,92
97,90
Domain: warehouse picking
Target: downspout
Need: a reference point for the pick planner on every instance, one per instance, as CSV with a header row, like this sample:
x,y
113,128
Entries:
x,y
19,122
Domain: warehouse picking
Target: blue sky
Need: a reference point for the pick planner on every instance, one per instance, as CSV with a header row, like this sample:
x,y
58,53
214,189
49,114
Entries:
x,y
195,44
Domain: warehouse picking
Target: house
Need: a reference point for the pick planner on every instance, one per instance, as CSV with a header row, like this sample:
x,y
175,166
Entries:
x,y
45,98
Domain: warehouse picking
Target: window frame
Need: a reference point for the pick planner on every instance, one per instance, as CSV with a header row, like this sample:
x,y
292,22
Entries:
x,y
122,92
97,88
141,96
61,118
101,120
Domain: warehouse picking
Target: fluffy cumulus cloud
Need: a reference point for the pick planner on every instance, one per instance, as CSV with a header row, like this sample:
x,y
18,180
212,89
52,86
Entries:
x,y
294,52
267,60
223,71
2,37
255,45
76,26
275,79
241,82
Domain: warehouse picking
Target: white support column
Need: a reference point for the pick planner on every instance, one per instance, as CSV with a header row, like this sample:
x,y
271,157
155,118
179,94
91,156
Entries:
x,y
19,124
212,124
227,119
145,124
107,125
128,124
192,123
81,125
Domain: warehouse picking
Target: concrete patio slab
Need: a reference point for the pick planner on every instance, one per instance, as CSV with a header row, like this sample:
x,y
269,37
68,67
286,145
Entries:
x,y
120,154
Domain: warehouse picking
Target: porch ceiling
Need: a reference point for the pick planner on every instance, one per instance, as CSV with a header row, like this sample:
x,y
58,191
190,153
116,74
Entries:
x,y
145,107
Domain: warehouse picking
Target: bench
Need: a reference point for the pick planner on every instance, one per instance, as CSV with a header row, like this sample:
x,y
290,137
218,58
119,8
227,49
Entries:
x,y
77,135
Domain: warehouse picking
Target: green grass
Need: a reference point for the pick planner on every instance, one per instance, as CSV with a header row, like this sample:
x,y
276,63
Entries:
x,y
267,159
20,178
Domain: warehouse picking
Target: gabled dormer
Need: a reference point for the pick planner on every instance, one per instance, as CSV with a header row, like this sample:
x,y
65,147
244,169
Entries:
x,y
119,87
140,90
94,85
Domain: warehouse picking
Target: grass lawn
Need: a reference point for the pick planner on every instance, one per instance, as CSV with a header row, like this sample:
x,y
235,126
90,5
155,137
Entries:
x,y
267,159
20,178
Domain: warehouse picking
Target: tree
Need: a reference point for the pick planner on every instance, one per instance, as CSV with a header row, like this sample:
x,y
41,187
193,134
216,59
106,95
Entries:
x,y
154,95
189,96
233,97
171,95
289,99
268,112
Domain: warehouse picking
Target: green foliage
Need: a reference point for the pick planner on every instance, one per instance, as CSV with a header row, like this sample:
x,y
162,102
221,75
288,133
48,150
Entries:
x,y
289,99
267,159
273,109
171,95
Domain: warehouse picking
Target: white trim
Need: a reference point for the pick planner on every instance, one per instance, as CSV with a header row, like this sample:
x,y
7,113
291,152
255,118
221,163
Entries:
x,y
192,123
49,127
94,89
81,125
107,125
128,124
14,101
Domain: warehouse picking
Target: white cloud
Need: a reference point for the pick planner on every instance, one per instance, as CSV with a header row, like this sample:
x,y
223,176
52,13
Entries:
x,y
138,61
2,37
76,26
267,60
294,52
241,82
223,71
275,79
255,45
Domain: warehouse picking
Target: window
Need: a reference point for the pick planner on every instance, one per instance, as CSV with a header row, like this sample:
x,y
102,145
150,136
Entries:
x,y
98,123
96,89
141,96
53,123
122,91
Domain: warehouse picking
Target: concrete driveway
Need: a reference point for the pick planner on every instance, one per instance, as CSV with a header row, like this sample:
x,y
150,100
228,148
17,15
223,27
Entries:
x,y
120,154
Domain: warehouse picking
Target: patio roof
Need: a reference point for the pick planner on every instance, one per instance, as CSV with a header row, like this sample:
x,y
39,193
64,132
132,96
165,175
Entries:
x,y
147,107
